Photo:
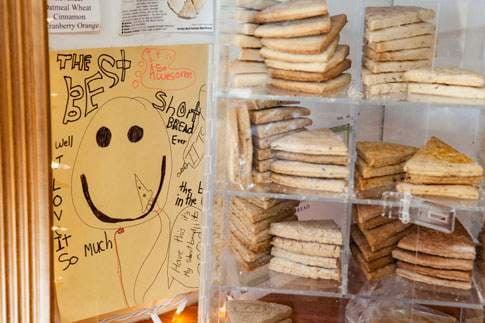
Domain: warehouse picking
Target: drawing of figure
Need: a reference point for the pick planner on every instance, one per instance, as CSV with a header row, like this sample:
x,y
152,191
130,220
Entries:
x,y
120,183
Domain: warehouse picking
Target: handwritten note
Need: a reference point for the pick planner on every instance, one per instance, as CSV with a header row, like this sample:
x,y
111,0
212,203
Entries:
x,y
128,135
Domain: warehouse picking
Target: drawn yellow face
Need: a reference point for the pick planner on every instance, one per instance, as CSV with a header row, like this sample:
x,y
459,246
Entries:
x,y
123,166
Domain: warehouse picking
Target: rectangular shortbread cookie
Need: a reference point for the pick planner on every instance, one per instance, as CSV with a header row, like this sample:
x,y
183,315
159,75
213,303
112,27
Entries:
x,y
293,268
424,41
250,80
390,16
399,55
322,88
384,67
297,168
321,141
250,54
307,248
427,260
293,10
466,92
301,58
323,262
453,191
310,76
278,114
441,75
432,280
307,158
315,67
369,78
322,231
295,28
278,127
399,32
309,44
386,88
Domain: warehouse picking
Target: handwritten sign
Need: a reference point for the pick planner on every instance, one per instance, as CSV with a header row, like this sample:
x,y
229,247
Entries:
x,y
128,135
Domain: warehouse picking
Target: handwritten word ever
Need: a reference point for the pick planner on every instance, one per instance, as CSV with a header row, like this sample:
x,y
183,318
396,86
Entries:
x,y
81,98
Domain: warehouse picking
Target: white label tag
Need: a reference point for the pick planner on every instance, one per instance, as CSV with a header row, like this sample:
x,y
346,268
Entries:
x,y
73,16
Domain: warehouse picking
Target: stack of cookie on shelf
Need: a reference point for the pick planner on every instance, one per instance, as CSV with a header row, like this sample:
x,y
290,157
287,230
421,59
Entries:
x,y
311,160
300,46
379,167
245,311
270,122
445,82
309,249
438,169
397,39
437,258
239,144
250,220
374,237
249,69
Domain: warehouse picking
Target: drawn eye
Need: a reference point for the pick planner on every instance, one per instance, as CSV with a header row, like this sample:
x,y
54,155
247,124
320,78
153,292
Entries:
x,y
135,134
103,137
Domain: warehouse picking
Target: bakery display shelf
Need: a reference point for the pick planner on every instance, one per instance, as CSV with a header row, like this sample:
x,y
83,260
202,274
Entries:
x,y
265,290
394,287
411,122
343,98
456,204
401,290
477,206
266,191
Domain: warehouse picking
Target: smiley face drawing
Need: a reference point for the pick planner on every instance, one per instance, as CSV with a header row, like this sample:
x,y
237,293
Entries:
x,y
120,182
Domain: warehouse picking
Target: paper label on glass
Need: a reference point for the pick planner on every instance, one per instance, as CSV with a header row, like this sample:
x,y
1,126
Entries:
x,y
73,16
128,141
139,16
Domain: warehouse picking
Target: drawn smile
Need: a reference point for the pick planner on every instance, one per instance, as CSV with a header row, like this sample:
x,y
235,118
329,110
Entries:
x,y
108,219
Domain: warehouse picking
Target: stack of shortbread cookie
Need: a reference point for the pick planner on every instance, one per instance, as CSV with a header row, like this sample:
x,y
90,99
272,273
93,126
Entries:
x,y
271,121
379,167
437,258
374,237
445,82
311,160
309,249
300,46
249,69
250,220
239,143
397,39
248,311
438,169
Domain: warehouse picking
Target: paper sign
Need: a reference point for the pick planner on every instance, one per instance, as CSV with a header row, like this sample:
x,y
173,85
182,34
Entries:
x,y
139,16
128,133
73,16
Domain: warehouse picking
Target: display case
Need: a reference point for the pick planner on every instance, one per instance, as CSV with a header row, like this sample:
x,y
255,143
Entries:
x,y
363,236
